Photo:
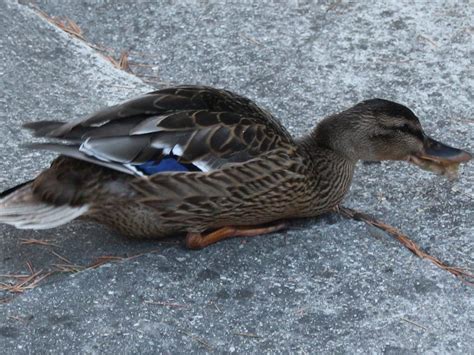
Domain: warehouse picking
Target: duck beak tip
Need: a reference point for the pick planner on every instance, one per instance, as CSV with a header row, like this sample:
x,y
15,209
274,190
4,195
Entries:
x,y
440,158
437,151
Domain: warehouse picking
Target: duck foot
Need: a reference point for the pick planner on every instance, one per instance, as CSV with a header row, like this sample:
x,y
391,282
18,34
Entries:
x,y
199,241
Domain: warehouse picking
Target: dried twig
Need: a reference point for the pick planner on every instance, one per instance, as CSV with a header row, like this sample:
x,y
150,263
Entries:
x,y
459,272
414,323
29,265
101,260
14,276
71,27
68,268
67,261
24,282
65,23
67,265
152,251
122,63
37,242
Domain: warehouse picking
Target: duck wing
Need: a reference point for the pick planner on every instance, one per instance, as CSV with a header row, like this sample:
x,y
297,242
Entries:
x,y
189,127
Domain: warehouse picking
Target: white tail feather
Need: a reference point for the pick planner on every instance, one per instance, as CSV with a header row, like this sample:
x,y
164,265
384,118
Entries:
x,y
23,210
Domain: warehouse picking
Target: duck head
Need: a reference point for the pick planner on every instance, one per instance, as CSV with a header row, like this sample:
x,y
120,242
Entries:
x,y
379,129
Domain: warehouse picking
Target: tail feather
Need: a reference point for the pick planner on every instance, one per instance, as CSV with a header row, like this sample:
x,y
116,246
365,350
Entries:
x,y
43,128
20,208
13,189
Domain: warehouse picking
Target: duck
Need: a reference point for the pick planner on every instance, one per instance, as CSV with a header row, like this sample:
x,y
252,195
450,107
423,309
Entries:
x,y
209,164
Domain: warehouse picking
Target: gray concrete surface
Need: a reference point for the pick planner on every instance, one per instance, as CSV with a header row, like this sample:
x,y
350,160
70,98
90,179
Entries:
x,y
321,286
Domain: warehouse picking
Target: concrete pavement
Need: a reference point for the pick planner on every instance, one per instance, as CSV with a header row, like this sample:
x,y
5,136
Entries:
x,y
318,287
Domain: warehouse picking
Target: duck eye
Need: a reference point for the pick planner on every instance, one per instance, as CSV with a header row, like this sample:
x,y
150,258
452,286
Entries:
x,y
405,128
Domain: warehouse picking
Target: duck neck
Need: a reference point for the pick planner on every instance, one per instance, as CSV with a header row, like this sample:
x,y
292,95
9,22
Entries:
x,y
314,146
331,173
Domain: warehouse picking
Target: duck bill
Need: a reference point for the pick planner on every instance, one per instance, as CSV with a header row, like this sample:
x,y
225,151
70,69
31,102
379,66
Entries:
x,y
438,152
439,157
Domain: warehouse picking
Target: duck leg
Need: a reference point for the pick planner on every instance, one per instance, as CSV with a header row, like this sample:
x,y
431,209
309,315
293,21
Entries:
x,y
199,241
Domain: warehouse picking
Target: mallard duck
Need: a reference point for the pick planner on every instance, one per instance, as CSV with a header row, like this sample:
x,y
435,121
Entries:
x,y
210,164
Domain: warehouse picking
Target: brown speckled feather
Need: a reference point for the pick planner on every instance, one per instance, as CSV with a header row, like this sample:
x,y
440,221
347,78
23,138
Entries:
x,y
276,185
201,125
250,170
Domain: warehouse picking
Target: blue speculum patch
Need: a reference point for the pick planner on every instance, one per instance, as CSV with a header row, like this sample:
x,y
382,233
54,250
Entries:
x,y
167,164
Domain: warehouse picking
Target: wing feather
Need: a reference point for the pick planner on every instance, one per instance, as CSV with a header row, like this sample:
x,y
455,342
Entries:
x,y
203,126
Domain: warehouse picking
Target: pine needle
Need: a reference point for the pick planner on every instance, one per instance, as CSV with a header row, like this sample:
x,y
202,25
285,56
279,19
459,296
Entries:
x,y
461,273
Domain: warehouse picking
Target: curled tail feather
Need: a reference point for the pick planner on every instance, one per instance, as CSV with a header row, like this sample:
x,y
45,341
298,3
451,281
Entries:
x,y
20,208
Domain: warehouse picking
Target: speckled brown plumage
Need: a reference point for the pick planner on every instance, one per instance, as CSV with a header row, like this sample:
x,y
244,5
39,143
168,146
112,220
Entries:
x,y
248,170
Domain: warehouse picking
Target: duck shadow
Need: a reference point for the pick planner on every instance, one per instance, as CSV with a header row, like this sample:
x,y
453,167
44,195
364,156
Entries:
x,y
80,245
